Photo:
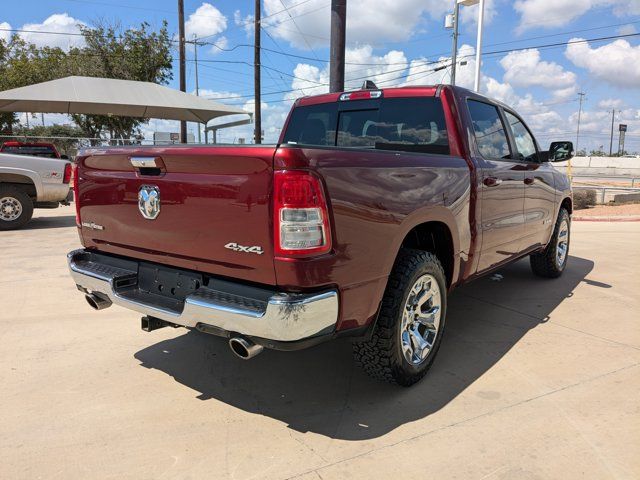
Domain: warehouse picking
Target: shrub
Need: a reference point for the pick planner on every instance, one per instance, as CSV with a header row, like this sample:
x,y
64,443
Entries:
x,y
584,198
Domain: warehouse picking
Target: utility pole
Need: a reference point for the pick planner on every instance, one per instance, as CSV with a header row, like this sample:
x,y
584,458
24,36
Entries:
x,y
338,40
183,78
613,113
195,59
454,53
581,94
257,131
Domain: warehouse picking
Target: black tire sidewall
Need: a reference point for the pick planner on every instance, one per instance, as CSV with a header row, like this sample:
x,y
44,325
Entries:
x,y
563,215
426,267
25,202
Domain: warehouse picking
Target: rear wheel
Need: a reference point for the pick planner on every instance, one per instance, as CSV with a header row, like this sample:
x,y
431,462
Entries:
x,y
16,207
410,325
551,262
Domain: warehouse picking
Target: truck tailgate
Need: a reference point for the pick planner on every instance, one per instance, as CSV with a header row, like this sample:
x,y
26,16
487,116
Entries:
x,y
214,203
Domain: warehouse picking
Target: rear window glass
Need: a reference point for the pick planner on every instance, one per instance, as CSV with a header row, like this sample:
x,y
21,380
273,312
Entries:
x,y
313,125
38,151
403,124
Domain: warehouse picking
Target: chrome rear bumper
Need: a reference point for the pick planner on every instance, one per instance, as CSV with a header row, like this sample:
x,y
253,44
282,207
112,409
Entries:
x,y
281,317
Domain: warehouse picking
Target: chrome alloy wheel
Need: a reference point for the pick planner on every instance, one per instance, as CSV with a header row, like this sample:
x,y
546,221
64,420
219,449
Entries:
x,y
10,209
563,243
420,319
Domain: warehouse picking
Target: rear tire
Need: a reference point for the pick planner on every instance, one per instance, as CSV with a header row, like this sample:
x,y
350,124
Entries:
x,y
16,207
411,322
551,262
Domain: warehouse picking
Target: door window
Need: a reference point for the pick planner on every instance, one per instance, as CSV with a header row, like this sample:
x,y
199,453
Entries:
x,y
525,145
489,130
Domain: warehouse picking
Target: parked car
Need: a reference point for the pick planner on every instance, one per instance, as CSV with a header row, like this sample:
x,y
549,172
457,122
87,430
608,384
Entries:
x,y
372,207
34,149
28,182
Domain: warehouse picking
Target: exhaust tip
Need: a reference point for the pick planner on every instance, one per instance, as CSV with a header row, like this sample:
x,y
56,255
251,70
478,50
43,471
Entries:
x,y
96,302
244,348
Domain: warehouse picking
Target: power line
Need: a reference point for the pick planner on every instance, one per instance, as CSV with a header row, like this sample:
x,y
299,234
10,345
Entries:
x,y
261,21
299,31
496,52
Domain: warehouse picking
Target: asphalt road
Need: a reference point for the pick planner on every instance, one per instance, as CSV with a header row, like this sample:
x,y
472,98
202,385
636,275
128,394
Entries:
x,y
536,379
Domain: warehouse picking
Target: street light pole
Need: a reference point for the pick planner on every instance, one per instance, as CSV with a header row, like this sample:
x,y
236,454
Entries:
x,y
581,94
454,53
476,83
257,130
183,78
613,114
195,59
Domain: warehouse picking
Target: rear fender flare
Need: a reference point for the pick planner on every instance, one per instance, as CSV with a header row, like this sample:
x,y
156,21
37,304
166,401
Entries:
x,y
424,215
31,175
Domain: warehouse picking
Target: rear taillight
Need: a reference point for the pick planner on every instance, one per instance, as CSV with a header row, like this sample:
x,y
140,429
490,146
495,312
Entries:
x,y
67,173
300,213
76,194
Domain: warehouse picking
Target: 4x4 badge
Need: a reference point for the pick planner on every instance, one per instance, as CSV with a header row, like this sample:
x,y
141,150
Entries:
x,y
241,248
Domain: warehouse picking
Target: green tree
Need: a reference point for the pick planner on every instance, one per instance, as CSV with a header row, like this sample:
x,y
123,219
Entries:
x,y
25,64
131,54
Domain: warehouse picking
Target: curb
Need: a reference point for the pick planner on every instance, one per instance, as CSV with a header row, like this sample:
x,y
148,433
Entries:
x,y
619,218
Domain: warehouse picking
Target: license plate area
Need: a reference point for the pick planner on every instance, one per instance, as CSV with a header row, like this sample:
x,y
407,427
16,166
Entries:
x,y
167,282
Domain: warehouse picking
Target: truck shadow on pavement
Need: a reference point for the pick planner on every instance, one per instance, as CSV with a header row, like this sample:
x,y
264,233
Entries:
x,y
320,390
37,223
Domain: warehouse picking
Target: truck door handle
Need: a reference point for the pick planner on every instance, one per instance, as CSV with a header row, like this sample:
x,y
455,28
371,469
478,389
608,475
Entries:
x,y
529,180
492,181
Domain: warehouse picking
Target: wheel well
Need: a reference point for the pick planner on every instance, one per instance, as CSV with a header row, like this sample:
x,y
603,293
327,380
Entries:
x,y
434,237
20,181
567,204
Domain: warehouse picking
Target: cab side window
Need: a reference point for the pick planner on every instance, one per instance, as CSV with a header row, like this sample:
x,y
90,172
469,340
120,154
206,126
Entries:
x,y
489,130
525,145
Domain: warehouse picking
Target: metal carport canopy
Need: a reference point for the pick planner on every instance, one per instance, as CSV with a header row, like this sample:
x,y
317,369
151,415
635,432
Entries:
x,y
108,96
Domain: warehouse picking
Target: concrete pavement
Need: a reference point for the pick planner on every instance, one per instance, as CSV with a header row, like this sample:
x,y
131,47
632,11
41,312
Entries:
x,y
535,379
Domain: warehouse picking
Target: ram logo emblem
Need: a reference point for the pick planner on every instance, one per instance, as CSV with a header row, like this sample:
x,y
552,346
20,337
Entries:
x,y
149,201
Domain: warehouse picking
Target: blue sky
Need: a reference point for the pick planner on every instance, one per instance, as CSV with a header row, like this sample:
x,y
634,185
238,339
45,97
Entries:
x,y
394,43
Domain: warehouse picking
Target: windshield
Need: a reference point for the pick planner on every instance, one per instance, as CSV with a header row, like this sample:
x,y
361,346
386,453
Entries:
x,y
414,124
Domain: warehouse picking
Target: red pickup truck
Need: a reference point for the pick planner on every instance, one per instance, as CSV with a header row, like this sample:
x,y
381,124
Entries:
x,y
35,149
373,206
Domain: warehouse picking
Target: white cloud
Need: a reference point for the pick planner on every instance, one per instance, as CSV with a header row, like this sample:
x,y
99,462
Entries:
x,y
556,13
526,69
60,24
617,63
206,21
246,22
627,30
361,65
367,22
220,44
215,94
4,33
609,103
469,15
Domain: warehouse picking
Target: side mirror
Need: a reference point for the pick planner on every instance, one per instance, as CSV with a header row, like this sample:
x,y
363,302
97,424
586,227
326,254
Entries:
x,y
560,151
64,157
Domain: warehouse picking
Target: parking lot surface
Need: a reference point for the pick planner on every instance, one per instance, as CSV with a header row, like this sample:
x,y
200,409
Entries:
x,y
535,379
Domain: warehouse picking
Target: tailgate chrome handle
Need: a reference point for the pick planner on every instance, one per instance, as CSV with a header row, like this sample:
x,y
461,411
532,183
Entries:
x,y
143,162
